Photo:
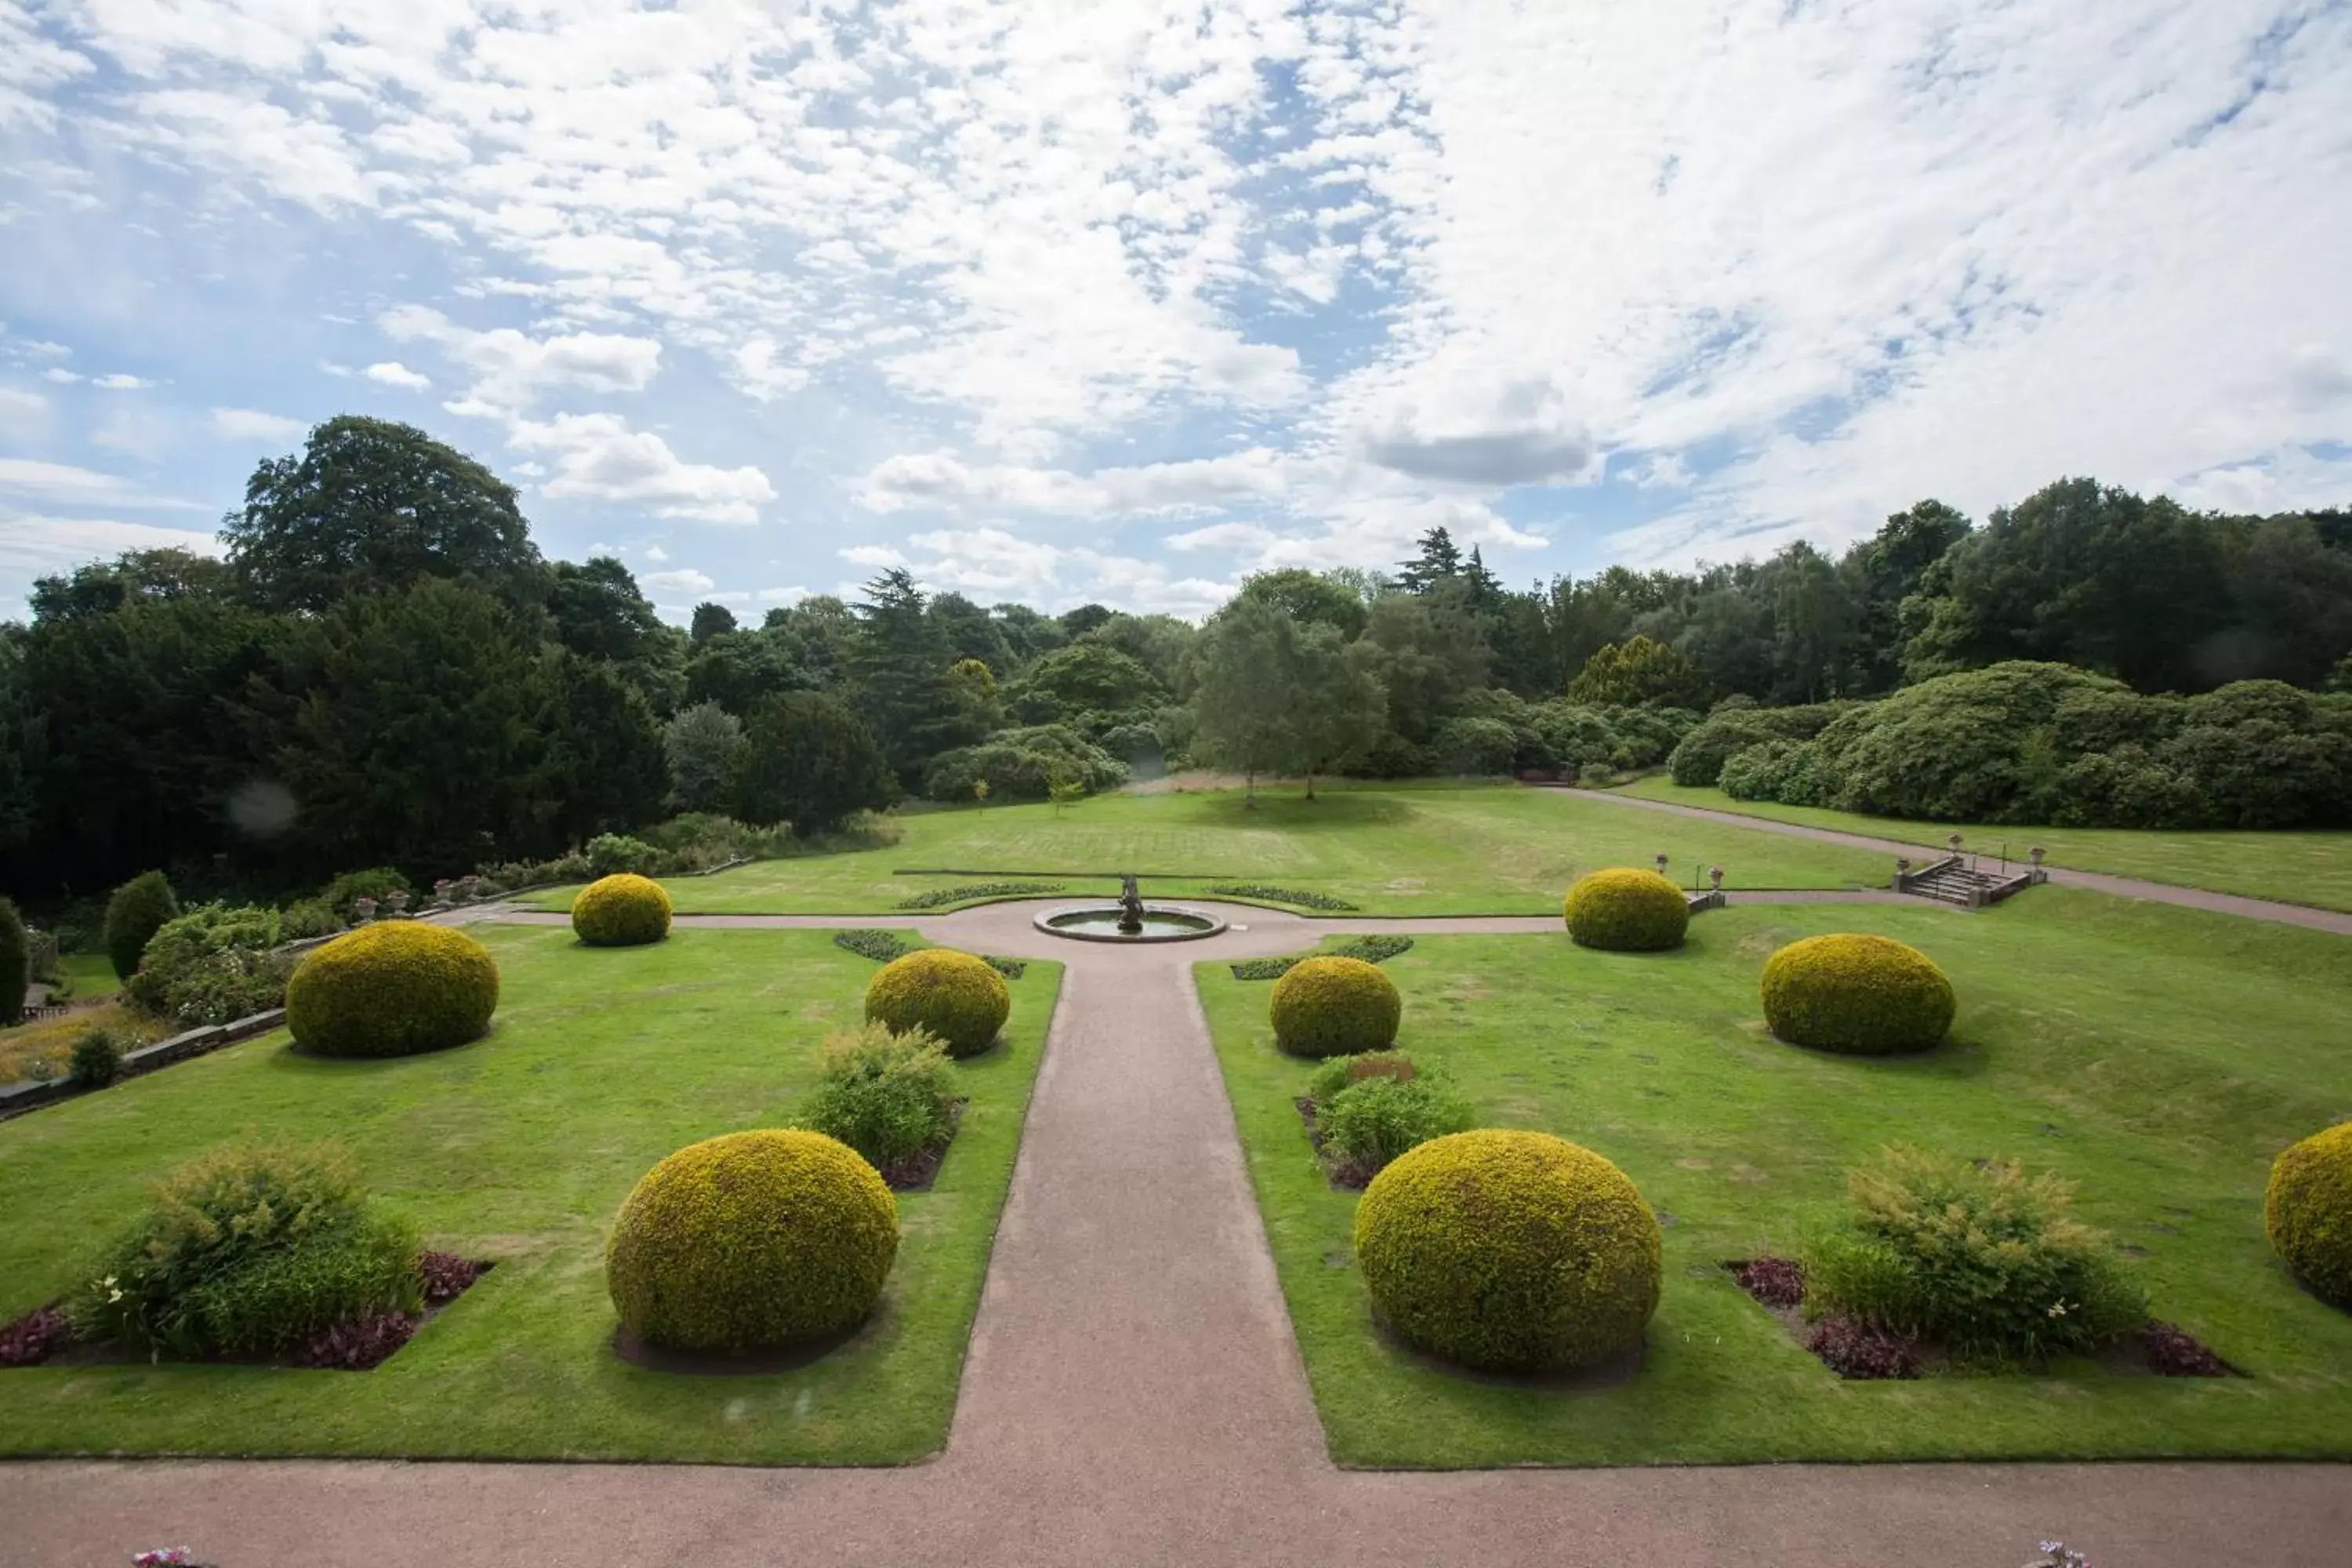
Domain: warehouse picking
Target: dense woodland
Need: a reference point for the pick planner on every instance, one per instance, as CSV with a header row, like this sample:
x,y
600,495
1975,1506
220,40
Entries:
x,y
383,669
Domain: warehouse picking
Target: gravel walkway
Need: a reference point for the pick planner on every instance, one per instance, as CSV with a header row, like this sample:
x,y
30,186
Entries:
x,y
2334,920
1134,1396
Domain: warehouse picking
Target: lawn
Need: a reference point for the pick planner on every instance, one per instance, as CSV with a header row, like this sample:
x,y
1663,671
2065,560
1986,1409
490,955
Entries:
x,y
2158,1057
2299,868
1420,851
520,1148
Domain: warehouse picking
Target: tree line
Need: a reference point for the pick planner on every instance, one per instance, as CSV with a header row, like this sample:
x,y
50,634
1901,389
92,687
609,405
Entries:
x,y
383,669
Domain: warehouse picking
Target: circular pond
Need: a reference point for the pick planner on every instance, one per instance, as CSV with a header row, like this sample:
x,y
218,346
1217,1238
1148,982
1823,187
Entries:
x,y
1100,923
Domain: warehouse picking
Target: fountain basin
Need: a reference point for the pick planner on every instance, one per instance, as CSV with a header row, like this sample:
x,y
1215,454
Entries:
x,y
1099,922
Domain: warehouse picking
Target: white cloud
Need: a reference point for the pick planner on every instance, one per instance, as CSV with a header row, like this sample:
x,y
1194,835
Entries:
x,y
944,481
250,424
598,457
511,371
61,374
880,556
120,381
40,348
684,580
656,553
759,375
34,544
19,405
392,373
782,596
63,484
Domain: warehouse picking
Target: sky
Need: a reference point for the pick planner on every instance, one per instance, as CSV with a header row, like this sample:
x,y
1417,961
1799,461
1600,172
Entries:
x,y
1070,300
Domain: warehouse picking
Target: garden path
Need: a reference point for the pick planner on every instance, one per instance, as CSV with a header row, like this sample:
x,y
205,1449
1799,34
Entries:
x,y
1134,1396
2335,921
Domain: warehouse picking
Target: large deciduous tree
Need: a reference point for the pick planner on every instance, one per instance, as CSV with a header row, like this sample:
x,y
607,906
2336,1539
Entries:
x,y
809,761
1274,696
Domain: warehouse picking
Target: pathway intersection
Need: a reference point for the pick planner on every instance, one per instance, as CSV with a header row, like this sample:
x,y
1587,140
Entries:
x,y
1134,1395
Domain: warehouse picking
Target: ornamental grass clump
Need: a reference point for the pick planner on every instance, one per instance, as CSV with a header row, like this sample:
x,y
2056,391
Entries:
x,y
1510,1251
621,910
393,989
1625,909
959,998
1330,1007
1857,995
889,1095
751,1241
2307,1213
1974,1256
249,1249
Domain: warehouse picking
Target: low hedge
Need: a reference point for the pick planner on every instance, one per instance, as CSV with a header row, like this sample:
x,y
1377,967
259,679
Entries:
x,y
1331,1006
751,1240
958,997
1624,910
621,910
2307,1212
1857,995
1511,1251
393,989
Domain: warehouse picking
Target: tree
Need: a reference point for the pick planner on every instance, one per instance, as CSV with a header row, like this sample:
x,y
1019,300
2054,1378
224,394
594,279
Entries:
x,y
739,670
1086,676
969,633
900,665
1439,559
710,621
371,506
1636,673
16,964
704,745
135,575
1430,657
136,912
596,611
607,769
1339,708
1276,696
1077,623
809,761
1309,598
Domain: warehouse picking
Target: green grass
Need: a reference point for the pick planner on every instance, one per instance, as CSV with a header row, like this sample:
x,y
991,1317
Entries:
x,y
1426,851
2159,1056
520,1148
90,974
2299,868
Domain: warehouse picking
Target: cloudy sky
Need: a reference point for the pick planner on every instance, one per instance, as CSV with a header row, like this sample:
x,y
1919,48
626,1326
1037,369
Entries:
x,y
1069,300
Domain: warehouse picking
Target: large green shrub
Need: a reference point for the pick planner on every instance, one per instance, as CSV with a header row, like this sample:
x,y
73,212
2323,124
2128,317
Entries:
x,y
212,964
886,1095
1973,1254
2307,1212
621,910
393,989
1021,764
15,963
1625,909
376,882
134,915
617,853
1371,1120
1509,1250
1699,756
1858,994
1973,747
1786,771
952,995
751,1240
1329,1005
249,1249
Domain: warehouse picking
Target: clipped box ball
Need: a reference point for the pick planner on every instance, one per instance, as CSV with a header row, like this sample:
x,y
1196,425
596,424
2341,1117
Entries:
x,y
392,990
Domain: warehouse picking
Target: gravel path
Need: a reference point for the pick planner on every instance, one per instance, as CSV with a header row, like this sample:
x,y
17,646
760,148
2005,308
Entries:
x,y
1134,1396
2334,920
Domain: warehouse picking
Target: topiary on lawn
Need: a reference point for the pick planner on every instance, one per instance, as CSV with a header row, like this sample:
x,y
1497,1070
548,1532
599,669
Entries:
x,y
1627,911
1863,995
138,909
393,989
1511,1251
751,1240
621,910
15,963
1334,1006
2307,1212
952,995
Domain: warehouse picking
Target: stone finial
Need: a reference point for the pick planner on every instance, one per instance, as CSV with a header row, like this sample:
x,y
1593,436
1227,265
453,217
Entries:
x,y
1663,863
2034,855
362,909
396,899
1955,842
1715,878
1902,864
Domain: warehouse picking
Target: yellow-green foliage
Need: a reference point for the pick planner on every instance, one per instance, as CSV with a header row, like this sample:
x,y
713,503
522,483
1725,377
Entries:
x,y
751,1240
1333,1006
622,911
391,990
1627,911
1508,1250
945,993
1864,996
2308,1212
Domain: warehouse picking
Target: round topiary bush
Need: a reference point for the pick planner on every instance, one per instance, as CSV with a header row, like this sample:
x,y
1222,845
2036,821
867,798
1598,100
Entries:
x,y
1509,1251
952,994
2308,1212
751,1240
621,910
1333,1006
136,912
1627,911
393,989
1861,995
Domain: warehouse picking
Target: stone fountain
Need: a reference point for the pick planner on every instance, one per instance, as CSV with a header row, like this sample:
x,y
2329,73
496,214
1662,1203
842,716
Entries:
x,y
1129,919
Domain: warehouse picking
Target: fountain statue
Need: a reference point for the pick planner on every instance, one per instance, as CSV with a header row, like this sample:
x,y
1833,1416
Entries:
x,y
1130,907
1129,919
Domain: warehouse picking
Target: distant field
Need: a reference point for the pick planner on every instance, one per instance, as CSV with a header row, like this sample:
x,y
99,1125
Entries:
x,y
1497,849
2299,868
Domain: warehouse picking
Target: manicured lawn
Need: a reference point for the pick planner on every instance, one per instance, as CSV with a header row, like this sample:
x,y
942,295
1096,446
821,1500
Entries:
x,y
519,1148
1433,850
2159,1056
2299,868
